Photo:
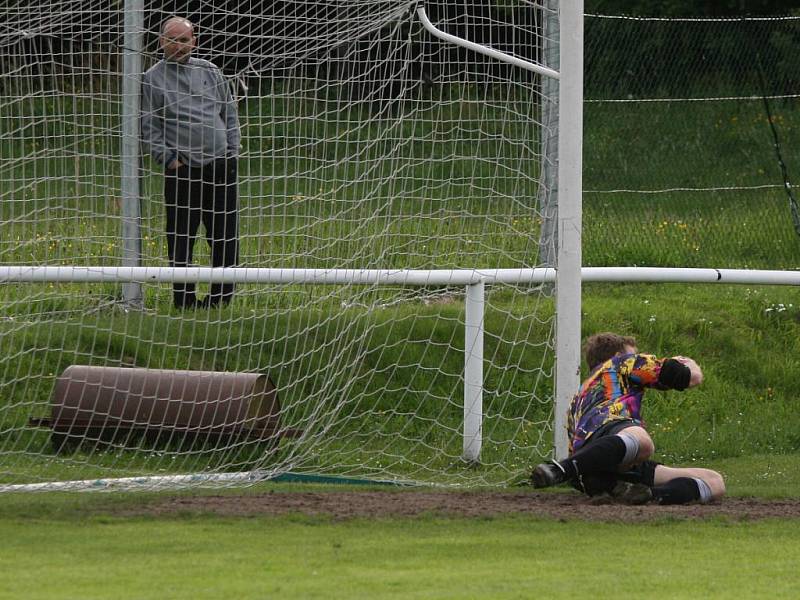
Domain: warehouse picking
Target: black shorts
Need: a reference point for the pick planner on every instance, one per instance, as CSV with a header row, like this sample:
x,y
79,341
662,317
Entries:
x,y
644,472
611,428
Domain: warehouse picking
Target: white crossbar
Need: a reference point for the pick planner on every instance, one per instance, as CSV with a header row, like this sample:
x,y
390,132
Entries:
x,y
98,274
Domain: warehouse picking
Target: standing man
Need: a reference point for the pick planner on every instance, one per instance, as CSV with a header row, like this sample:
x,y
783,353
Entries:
x,y
191,127
609,448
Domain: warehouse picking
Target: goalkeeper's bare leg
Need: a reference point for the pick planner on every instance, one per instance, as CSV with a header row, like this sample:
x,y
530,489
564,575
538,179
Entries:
x,y
683,485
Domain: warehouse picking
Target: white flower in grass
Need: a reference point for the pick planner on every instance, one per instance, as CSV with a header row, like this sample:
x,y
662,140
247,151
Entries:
x,y
652,318
780,307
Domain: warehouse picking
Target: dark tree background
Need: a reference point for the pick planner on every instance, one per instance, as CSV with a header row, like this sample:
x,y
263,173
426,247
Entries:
x,y
691,8
267,40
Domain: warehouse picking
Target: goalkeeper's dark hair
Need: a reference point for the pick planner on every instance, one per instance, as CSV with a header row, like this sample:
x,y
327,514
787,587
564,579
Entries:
x,y
602,346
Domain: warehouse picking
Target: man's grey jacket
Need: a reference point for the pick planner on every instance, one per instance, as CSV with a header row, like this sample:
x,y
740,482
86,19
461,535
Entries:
x,y
188,113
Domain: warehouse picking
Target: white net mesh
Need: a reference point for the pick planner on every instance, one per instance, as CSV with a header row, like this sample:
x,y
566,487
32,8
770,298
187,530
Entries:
x,y
365,144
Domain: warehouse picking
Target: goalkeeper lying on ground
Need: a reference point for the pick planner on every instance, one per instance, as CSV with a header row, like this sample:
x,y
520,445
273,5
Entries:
x,y
609,448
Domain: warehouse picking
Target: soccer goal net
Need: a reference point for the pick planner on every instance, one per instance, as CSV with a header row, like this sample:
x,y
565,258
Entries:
x,y
402,187
367,144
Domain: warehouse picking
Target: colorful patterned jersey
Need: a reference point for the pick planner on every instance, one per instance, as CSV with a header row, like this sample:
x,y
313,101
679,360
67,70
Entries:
x,y
612,392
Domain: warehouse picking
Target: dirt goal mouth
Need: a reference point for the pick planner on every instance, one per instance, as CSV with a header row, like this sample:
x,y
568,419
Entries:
x,y
354,504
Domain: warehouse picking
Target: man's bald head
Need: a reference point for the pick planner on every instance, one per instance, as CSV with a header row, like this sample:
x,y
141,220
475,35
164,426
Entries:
x,y
177,39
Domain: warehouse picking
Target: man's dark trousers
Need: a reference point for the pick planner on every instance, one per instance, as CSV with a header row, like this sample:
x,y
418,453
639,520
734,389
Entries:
x,y
204,193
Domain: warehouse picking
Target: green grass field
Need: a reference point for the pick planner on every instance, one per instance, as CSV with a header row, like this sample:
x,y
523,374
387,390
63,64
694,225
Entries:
x,y
745,338
208,557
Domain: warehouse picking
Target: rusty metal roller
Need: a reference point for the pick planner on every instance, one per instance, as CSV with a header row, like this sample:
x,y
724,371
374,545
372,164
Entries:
x,y
117,400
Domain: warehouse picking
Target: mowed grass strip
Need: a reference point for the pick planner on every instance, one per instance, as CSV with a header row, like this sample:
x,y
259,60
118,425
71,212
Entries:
x,y
298,557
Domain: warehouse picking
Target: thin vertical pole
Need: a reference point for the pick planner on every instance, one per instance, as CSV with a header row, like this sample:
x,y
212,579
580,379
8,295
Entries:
x,y
570,185
548,176
130,188
473,373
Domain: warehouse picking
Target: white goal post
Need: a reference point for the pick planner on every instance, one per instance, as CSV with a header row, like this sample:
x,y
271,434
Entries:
x,y
570,188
